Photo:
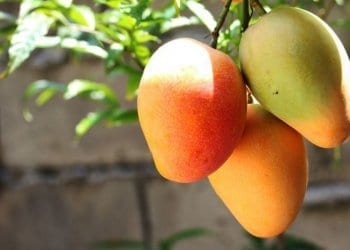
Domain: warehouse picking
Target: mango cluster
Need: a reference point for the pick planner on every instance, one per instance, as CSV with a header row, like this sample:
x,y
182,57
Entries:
x,y
193,111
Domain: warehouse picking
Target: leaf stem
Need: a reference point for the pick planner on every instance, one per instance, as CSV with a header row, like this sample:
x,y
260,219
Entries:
x,y
220,23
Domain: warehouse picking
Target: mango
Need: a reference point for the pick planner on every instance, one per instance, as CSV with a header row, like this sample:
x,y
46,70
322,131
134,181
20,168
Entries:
x,y
263,182
298,69
192,109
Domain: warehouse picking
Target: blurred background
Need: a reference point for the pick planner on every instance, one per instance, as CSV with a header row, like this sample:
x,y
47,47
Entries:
x,y
102,191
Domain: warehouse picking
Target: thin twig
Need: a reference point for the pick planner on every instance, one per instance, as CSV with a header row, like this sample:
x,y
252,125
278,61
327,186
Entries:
x,y
145,215
220,23
246,15
326,10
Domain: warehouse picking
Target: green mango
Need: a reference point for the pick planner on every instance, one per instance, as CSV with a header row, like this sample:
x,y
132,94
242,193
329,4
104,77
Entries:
x,y
298,69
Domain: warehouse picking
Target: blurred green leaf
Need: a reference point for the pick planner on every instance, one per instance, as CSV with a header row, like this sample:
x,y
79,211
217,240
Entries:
x,y
169,243
142,36
178,22
339,2
76,45
48,89
202,13
7,17
89,121
132,85
341,23
119,245
138,10
122,116
29,30
45,96
92,90
142,53
7,30
177,4
82,15
64,3
255,243
28,5
293,243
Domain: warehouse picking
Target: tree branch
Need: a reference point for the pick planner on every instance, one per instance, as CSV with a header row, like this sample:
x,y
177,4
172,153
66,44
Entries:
x,y
220,23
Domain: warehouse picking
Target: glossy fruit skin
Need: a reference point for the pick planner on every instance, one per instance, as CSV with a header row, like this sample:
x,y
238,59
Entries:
x,y
264,181
192,109
298,69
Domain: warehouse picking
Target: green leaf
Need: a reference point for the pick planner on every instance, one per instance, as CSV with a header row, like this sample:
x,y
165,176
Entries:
x,y
72,44
29,30
122,116
169,243
27,6
7,17
45,96
40,86
82,15
178,22
341,23
64,3
119,245
7,30
255,243
142,36
202,13
89,121
339,2
177,4
292,243
92,90
142,53
138,10
132,85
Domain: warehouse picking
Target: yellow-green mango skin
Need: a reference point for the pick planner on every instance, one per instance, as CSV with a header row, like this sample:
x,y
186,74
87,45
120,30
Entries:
x,y
298,69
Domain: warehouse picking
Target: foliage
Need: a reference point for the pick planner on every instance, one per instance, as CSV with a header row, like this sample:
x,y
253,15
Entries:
x,y
164,244
289,242
121,33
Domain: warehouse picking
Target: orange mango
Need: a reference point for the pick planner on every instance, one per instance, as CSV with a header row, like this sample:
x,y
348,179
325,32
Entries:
x,y
264,181
298,69
192,109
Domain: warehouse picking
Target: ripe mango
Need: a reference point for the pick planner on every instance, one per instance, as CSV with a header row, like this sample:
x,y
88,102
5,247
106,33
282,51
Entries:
x,y
192,109
298,69
263,183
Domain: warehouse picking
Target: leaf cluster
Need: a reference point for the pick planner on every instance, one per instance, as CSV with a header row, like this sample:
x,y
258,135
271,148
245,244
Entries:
x,y
122,34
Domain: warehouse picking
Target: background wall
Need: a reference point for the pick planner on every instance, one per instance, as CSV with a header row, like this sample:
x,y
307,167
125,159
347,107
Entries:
x,y
74,216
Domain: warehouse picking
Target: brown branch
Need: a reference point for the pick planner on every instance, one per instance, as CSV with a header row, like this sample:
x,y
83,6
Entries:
x,y
246,15
220,23
327,9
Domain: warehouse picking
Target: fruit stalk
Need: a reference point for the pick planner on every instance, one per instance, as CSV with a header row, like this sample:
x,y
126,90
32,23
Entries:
x,y
256,5
246,15
220,23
